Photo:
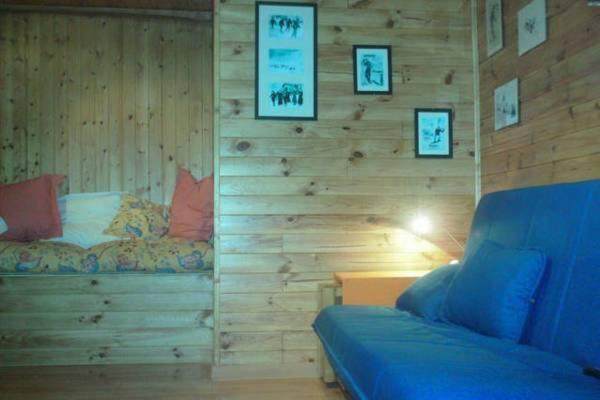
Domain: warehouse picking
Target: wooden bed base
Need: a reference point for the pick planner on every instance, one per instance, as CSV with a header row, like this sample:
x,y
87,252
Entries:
x,y
106,319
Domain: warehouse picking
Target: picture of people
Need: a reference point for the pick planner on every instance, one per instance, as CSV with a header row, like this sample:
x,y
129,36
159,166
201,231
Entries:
x,y
286,95
285,26
286,61
433,133
506,104
372,70
493,11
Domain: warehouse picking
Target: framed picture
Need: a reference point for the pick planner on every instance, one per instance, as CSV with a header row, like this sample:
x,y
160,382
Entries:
x,y
372,69
506,104
433,133
532,25
494,30
286,61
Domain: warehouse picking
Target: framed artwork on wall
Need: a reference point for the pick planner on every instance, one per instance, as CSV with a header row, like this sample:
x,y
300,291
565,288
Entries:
x,y
433,133
532,26
506,104
494,28
372,69
286,61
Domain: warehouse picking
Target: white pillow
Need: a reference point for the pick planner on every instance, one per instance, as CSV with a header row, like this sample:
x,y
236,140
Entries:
x,y
85,216
3,226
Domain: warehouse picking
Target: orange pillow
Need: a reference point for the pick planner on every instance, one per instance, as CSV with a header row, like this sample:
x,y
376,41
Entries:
x,y
192,207
30,209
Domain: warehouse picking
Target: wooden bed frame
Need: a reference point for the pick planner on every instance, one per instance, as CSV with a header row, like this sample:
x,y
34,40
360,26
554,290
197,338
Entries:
x,y
106,319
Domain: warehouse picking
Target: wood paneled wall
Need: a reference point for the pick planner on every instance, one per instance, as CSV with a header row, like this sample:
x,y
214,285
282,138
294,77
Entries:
x,y
108,319
114,103
558,138
299,200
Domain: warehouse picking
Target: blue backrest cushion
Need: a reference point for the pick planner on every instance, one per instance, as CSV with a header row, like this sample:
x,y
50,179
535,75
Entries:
x,y
493,290
425,296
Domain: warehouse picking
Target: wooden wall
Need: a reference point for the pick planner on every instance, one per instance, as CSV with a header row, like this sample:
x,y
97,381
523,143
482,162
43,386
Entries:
x,y
115,103
108,319
558,138
299,200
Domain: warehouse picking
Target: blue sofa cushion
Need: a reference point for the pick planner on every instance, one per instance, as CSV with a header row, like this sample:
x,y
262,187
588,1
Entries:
x,y
382,353
427,294
493,291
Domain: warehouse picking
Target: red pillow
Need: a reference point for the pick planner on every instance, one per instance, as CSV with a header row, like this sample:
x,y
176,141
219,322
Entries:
x,y
192,207
30,209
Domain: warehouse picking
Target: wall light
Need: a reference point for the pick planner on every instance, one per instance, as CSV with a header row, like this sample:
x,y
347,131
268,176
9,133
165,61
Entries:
x,y
421,224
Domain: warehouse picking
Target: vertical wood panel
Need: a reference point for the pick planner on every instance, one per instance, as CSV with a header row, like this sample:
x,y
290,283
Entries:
x,y
169,139
19,132
33,95
75,124
141,107
300,200
115,103
557,138
6,105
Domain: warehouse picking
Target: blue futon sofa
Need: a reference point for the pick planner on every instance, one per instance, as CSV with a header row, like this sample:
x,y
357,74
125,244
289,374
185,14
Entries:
x,y
529,329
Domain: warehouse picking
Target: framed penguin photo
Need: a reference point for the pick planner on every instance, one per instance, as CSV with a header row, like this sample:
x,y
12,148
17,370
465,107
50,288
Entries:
x,y
286,61
372,69
433,133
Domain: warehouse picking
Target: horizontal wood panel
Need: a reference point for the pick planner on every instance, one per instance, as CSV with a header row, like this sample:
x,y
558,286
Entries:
x,y
103,284
397,205
37,339
183,301
365,186
103,355
265,302
302,262
106,320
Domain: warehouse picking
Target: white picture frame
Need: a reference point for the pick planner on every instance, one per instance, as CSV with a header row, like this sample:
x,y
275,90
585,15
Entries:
x,y
532,26
494,26
286,61
506,105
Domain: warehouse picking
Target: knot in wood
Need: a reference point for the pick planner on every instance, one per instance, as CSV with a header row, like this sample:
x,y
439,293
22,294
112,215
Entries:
x,y
243,146
357,154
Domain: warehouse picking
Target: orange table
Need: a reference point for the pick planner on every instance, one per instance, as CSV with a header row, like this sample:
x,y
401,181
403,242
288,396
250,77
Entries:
x,y
375,287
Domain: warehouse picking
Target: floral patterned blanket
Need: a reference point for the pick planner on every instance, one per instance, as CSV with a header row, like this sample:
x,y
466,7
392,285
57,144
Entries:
x,y
166,255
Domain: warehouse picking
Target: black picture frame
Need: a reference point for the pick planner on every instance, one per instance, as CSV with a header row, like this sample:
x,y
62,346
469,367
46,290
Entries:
x,y
311,110
433,133
386,64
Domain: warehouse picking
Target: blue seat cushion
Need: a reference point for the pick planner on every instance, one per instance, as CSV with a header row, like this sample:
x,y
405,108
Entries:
x,y
385,353
493,291
426,295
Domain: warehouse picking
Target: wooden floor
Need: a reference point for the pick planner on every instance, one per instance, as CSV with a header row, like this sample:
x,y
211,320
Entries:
x,y
173,382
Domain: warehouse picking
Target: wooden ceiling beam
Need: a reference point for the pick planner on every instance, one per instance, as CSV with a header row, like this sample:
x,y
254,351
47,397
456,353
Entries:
x,y
180,5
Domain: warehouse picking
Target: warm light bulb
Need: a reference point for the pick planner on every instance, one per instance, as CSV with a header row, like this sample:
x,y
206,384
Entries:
x,y
421,224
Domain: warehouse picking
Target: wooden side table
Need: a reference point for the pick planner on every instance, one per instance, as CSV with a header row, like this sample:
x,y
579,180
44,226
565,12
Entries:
x,y
380,288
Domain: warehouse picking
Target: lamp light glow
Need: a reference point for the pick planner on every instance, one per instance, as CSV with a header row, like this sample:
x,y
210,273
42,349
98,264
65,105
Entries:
x,y
454,262
421,225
